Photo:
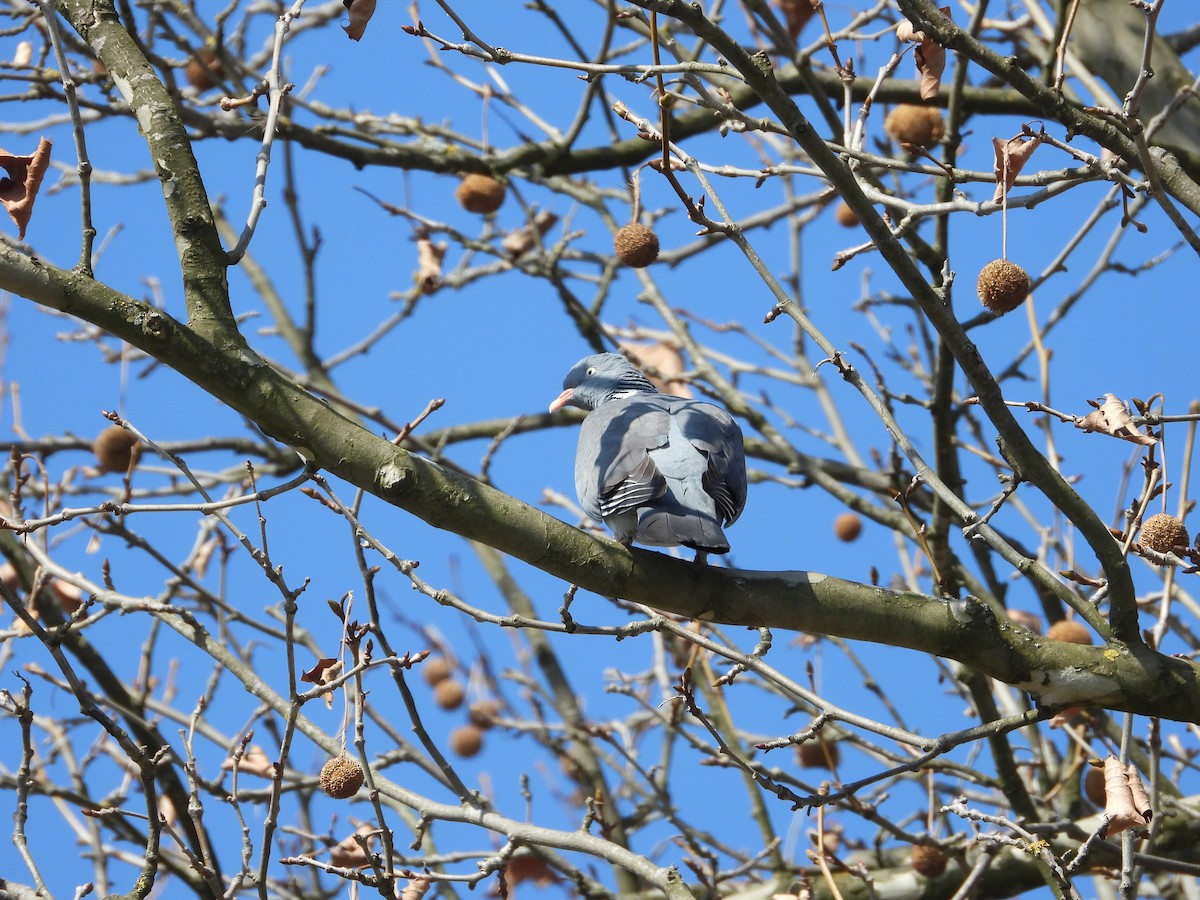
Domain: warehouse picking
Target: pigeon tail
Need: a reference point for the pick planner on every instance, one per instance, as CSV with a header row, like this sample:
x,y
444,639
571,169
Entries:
x,y
665,528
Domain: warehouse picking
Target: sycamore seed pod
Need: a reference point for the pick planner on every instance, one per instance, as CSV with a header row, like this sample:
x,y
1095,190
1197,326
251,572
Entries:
x,y
1069,630
1165,533
847,527
1002,286
921,126
341,777
480,194
466,741
928,861
114,449
636,245
449,694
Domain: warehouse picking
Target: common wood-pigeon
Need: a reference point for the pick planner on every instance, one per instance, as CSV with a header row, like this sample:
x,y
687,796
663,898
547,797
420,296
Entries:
x,y
660,470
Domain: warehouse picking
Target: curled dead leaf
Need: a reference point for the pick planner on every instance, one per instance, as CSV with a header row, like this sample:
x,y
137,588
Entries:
x,y
1111,417
929,55
23,177
1011,156
1141,802
796,13
253,762
1123,809
662,362
166,810
429,264
525,866
521,240
325,671
416,888
360,14
348,853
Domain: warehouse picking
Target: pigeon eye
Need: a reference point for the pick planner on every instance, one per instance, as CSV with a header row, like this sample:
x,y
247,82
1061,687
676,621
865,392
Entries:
x,y
591,370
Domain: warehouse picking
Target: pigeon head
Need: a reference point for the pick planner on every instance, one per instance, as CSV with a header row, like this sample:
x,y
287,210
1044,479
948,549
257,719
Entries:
x,y
595,380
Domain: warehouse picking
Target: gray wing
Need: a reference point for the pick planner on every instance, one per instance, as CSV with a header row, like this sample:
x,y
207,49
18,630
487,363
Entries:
x,y
613,469
714,433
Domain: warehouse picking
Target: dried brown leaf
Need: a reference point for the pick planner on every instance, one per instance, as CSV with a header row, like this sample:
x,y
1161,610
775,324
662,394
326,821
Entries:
x,y
665,363
416,888
1011,156
929,55
429,264
522,240
796,13
325,671
360,14
1141,802
526,866
203,557
1066,717
1112,418
1121,811
166,810
23,177
349,853
253,762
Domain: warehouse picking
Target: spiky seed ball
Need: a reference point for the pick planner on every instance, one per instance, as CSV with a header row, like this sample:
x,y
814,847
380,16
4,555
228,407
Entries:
x,y
1070,631
921,126
1165,534
436,669
847,527
480,194
928,861
818,754
466,741
341,777
636,245
1093,785
845,215
483,713
114,449
1002,286
449,694
204,69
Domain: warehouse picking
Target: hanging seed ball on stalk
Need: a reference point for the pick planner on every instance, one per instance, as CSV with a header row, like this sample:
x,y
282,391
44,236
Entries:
x,y
817,754
921,126
1093,785
928,861
636,245
435,670
1070,631
449,694
204,69
483,713
114,449
847,527
845,215
1002,286
1165,534
466,741
341,777
480,194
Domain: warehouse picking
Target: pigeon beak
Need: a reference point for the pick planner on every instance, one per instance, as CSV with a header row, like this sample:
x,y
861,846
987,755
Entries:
x,y
562,399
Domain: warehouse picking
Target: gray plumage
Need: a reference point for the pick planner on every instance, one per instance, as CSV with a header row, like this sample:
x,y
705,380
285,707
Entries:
x,y
660,470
